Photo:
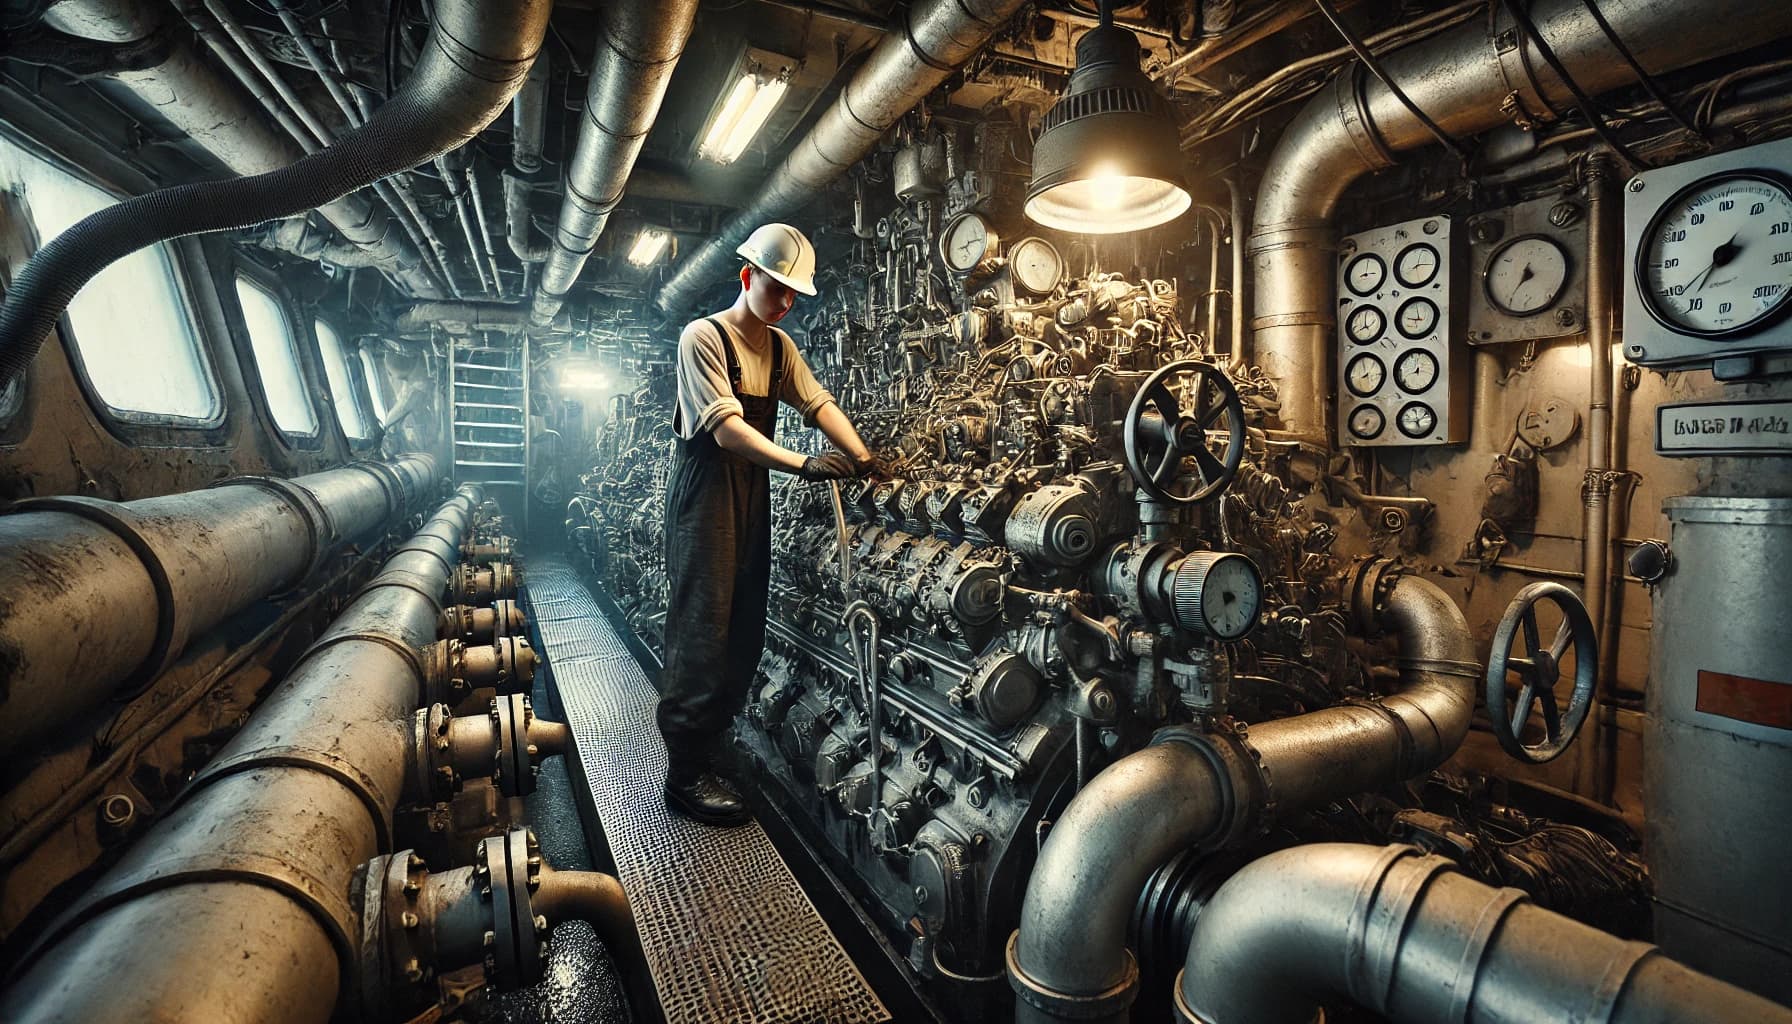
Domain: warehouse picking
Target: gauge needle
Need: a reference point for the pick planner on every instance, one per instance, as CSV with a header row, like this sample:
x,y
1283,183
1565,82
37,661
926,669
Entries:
x,y
1720,257
1524,275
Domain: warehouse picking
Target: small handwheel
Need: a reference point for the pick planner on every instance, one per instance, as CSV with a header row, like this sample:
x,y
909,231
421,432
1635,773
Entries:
x,y
1158,437
1540,669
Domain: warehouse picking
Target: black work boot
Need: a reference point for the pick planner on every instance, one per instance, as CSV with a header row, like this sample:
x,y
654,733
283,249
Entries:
x,y
701,796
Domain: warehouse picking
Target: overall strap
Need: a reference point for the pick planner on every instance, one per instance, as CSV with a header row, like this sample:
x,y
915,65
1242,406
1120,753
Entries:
x,y
779,338
728,350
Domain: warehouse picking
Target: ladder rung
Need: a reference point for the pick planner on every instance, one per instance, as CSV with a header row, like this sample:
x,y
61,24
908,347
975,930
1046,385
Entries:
x,y
487,405
489,444
488,387
500,426
495,369
495,465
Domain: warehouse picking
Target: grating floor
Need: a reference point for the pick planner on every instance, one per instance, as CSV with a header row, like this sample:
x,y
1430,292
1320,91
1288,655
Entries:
x,y
727,932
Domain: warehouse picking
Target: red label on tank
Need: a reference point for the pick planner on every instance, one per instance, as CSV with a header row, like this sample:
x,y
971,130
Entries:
x,y
1746,700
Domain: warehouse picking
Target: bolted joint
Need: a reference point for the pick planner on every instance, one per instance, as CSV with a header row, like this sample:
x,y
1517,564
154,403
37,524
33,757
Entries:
x,y
482,584
497,549
474,625
445,672
431,775
507,666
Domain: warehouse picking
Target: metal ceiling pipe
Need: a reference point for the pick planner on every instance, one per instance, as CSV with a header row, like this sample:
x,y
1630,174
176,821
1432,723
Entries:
x,y
1068,960
519,221
1406,937
226,122
939,37
474,60
529,118
418,321
103,595
1465,80
246,883
639,43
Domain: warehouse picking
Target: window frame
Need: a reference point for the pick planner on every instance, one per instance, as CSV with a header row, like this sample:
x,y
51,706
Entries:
x,y
357,385
379,386
304,351
185,259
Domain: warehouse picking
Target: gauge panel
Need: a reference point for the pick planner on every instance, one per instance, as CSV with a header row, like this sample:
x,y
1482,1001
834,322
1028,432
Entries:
x,y
1036,265
1526,275
1398,384
968,243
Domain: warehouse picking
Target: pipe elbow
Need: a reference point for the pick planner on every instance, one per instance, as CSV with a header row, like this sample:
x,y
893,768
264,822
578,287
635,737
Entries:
x,y
1439,668
590,896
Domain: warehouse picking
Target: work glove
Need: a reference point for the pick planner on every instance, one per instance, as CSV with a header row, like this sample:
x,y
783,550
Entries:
x,y
831,466
873,466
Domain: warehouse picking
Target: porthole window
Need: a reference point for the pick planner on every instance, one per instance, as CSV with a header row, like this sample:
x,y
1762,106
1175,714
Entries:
x,y
376,386
129,328
341,373
276,358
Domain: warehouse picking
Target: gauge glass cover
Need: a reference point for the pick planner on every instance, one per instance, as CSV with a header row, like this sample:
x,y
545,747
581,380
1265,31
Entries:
x,y
1231,596
1365,274
1416,265
1365,324
1417,318
1365,375
1038,267
1526,275
1416,371
1417,420
966,242
1716,260
1366,422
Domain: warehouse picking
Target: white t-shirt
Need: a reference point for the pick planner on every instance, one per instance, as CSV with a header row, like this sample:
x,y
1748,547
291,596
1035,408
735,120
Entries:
x,y
705,397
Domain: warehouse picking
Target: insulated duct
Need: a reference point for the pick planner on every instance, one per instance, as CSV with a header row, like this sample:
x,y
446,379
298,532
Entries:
x,y
1407,938
1466,80
639,43
244,886
103,595
423,320
939,37
475,59
1068,960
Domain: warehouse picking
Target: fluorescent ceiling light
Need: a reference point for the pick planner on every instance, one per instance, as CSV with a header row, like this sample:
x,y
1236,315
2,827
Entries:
x,y
649,245
583,377
756,88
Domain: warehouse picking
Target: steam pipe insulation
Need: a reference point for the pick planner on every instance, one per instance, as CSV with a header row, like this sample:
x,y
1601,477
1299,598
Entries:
x,y
226,121
519,221
473,62
1068,960
1465,80
939,37
245,883
102,595
639,43
418,321
1405,936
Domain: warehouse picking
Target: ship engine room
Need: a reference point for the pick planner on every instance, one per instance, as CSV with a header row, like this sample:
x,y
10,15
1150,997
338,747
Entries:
x,y
939,511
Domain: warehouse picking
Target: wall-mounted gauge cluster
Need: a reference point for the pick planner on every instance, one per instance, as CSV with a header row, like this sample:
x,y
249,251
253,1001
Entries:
x,y
1711,248
1394,330
1526,272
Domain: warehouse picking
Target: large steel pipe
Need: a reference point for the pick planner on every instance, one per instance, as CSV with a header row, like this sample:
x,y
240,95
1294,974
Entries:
x,y
939,37
1466,80
245,884
103,595
1068,960
1406,937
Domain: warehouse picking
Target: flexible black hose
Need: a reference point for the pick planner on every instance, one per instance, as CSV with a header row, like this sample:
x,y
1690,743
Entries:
x,y
474,61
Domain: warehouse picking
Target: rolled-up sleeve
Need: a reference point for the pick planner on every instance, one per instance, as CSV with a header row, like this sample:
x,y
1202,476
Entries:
x,y
705,397
800,389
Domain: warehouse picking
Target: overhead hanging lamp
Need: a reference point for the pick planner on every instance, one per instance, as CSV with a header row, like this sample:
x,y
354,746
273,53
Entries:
x,y
1107,158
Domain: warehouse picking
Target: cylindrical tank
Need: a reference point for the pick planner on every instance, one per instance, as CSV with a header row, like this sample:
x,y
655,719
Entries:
x,y
1718,742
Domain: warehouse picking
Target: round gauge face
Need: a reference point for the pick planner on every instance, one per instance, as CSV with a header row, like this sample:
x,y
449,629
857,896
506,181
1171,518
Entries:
x,y
1365,375
1365,324
1526,275
1416,420
1037,265
1417,318
1716,260
966,242
1416,371
1365,274
1417,265
1367,422
1231,596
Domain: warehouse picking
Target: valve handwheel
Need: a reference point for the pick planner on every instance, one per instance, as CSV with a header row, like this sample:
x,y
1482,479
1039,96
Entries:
x,y
1158,437
1540,668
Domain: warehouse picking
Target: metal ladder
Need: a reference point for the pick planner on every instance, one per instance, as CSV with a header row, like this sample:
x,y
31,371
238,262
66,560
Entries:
x,y
489,399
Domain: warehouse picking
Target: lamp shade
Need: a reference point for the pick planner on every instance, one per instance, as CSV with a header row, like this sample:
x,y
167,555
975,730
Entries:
x,y
1107,158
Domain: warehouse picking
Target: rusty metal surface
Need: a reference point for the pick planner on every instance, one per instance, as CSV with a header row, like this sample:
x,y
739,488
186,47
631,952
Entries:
x,y
728,933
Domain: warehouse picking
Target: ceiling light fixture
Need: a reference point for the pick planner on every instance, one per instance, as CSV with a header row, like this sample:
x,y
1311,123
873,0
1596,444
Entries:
x,y
757,85
1107,158
649,245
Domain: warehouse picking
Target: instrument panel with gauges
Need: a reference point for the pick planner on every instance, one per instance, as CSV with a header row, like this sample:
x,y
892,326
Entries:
x,y
1527,271
1710,281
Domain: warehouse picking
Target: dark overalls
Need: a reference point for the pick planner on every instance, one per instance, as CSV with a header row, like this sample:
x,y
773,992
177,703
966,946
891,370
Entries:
x,y
718,570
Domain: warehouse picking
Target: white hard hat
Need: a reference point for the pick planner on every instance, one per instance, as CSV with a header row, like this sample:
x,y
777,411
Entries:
x,y
783,252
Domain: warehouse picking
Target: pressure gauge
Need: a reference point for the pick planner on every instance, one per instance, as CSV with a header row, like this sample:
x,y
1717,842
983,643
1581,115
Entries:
x,y
1416,265
1365,274
1365,324
1037,266
1416,420
1365,375
1716,259
1218,593
1416,318
967,243
1526,275
1367,422
1415,371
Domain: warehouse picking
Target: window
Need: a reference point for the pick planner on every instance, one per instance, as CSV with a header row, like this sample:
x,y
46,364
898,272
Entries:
x,y
276,358
376,386
129,326
340,373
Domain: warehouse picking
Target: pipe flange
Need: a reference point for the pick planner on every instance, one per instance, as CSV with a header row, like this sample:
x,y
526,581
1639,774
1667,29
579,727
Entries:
x,y
438,548
1245,793
515,947
508,619
397,498
324,537
1370,586
397,958
1524,103
172,627
516,770
445,673
430,588
1407,758
1358,121
391,641
1109,1004
433,778
365,787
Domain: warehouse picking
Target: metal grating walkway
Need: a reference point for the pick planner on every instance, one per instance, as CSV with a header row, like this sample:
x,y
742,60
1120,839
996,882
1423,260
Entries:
x,y
727,932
